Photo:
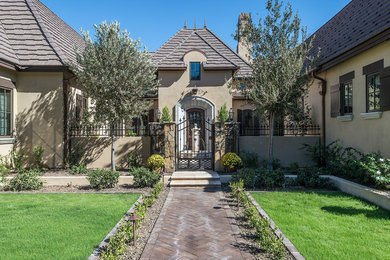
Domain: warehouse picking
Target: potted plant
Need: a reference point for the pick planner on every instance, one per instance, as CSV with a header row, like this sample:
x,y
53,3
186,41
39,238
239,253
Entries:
x,y
231,161
156,162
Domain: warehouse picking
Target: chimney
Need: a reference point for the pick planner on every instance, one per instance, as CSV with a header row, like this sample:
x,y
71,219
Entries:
x,y
243,49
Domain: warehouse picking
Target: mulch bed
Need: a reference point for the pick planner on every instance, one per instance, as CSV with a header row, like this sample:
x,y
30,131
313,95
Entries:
x,y
248,233
135,252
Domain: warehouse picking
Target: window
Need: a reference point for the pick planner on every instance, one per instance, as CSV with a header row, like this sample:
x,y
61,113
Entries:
x,y
249,122
5,112
242,85
195,70
373,92
346,98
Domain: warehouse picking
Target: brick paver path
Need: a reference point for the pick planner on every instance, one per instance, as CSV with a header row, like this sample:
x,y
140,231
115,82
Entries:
x,y
195,223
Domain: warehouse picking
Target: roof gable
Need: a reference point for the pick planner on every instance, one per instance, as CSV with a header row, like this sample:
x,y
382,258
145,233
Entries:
x,y
36,36
218,54
357,22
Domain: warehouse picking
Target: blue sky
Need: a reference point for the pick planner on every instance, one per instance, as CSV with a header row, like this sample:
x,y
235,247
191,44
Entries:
x,y
154,22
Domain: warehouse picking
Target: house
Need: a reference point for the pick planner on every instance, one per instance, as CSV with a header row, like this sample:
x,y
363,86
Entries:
x,y
350,97
35,83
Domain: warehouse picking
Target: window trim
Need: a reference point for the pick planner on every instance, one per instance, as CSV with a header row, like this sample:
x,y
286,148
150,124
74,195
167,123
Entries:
x,y
10,136
367,93
195,62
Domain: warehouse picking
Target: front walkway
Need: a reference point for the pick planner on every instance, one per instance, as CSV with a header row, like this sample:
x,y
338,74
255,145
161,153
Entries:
x,y
195,223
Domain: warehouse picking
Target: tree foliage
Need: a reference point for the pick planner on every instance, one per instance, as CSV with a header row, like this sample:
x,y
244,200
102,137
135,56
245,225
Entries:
x,y
223,114
116,73
166,116
280,53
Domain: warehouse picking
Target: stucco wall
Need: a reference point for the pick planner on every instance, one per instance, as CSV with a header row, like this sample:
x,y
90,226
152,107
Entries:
x,y
286,148
366,135
176,85
97,150
39,118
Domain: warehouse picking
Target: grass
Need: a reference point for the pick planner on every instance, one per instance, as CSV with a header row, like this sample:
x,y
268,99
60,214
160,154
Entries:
x,y
57,226
329,225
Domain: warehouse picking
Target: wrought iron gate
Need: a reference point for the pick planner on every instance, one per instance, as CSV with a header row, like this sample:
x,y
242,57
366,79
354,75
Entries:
x,y
198,155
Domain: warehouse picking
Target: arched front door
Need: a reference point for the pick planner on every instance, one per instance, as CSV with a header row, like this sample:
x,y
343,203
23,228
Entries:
x,y
195,116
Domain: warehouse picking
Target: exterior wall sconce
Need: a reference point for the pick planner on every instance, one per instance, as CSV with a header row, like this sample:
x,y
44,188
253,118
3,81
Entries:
x,y
194,90
231,114
158,114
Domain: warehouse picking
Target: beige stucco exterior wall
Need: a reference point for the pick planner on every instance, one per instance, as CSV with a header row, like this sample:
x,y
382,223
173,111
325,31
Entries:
x,y
40,114
176,85
286,148
97,150
366,135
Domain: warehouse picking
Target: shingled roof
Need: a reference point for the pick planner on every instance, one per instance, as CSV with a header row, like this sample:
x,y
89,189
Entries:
x,y
357,22
32,35
219,55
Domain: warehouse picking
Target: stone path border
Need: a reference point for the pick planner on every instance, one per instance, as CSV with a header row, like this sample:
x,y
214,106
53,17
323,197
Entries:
x,y
96,253
290,247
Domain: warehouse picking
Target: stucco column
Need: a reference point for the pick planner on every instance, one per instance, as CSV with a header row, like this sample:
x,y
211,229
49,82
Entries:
x,y
226,140
169,147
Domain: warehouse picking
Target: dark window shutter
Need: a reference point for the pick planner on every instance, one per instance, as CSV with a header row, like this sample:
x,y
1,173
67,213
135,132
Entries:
x,y
151,115
79,107
385,89
335,100
239,119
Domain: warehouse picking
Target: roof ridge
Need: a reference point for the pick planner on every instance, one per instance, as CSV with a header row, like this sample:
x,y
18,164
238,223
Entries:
x,y
185,39
9,42
220,54
46,33
235,53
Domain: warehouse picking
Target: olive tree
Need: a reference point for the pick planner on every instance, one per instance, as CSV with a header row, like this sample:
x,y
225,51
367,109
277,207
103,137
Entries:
x,y
279,51
116,73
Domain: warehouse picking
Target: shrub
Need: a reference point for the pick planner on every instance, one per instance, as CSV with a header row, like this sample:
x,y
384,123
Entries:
x,y
28,180
223,114
102,179
155,161
18,160
144,177
310,177
79,169
376,170
231,161
5,167
38,157
271,179
276,164
250,160
131,160
247,175
166,116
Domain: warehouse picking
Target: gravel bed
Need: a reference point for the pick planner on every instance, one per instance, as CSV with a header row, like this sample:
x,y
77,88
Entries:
x,y
146,227
85,189
247,232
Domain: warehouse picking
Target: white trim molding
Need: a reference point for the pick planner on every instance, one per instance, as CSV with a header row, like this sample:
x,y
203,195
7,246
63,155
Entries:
x,y
7,140
371,115
345,118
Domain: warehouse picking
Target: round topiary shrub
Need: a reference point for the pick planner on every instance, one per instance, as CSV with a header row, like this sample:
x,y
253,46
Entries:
x,y
231,161
102,179
155,161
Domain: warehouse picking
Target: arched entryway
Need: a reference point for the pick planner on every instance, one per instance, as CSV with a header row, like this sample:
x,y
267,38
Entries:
x,y
195,133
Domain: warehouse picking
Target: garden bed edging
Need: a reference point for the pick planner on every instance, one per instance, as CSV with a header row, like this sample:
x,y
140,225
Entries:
x,y
287,243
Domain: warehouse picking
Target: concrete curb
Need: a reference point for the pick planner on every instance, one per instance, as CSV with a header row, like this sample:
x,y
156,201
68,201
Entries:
x,y
96,253
287,243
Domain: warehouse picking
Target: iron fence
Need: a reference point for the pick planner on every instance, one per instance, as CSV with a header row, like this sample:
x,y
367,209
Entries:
x,y
105,131
286,129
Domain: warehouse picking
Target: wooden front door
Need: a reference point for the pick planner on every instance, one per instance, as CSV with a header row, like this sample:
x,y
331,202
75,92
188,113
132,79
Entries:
x,y
195,116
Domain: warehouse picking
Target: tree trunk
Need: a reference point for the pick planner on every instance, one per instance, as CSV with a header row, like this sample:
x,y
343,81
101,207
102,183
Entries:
x,y
271,141
113,168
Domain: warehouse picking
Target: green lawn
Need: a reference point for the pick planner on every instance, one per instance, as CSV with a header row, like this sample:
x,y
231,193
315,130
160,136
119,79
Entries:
x,y
57,226
329,225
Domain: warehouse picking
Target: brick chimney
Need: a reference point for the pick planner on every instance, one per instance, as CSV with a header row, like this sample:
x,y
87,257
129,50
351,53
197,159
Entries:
x,y
242,46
